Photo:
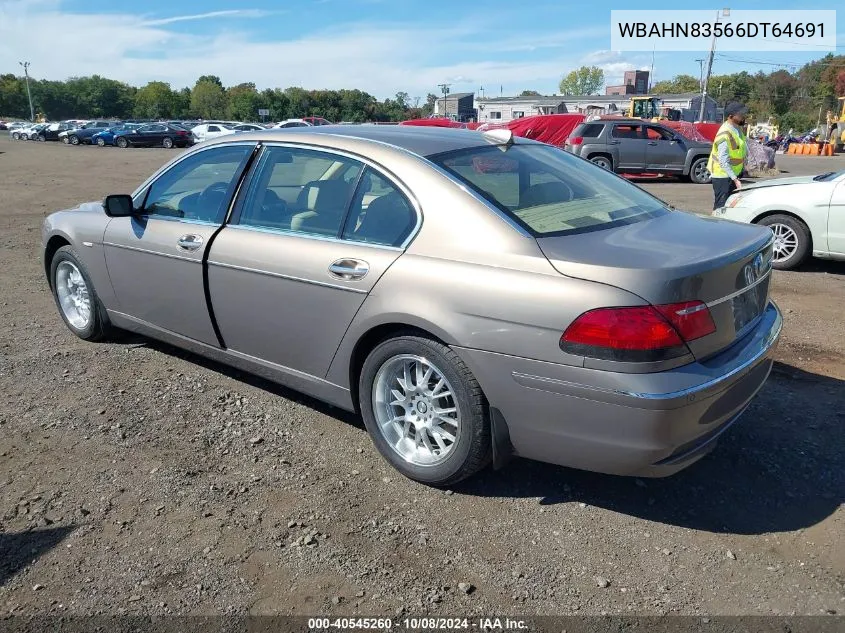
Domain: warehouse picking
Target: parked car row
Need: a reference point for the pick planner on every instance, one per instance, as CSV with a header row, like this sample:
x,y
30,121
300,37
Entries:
x,y
126,134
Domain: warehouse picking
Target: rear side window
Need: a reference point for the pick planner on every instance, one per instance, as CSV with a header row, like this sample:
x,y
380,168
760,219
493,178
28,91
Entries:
x,y
380,213
550,192
589,130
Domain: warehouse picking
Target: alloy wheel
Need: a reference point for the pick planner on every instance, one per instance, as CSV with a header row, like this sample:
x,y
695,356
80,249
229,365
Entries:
x,y
74,298
786,242
416,410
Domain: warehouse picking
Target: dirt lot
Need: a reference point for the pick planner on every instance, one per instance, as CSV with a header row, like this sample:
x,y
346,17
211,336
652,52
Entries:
x,y
135,478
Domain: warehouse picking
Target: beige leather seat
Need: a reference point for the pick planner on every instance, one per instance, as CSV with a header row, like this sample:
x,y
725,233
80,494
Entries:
x,y
388,221
325,203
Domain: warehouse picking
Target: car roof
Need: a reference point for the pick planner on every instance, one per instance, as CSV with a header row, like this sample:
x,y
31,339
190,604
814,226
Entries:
x,y
423,141
626,121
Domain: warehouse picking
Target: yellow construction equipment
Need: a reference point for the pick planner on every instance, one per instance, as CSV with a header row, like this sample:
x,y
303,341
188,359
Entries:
x,y
650,109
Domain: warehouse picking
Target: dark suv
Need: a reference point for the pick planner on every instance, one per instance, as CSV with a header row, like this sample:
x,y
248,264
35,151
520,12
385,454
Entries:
x,y
632,146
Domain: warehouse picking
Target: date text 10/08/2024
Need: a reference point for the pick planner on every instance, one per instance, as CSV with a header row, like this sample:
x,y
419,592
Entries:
x,y
417,624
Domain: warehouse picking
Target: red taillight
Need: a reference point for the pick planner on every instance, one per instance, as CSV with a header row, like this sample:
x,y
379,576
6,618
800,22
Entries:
x,y
575,140
692,319
640,333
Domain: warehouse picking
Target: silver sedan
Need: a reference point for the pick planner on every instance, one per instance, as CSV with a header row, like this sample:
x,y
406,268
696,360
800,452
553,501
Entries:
x,y
473,296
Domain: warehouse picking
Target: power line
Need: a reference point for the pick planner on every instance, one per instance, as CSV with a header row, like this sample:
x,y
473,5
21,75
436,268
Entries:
x,y
763,62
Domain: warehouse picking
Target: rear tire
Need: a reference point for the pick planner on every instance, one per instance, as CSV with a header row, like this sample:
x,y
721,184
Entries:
x,y
101,142
458,393
90,325
698,172
41,138
167,142
121,142
792,241
74,140
16,136
66,140
602,161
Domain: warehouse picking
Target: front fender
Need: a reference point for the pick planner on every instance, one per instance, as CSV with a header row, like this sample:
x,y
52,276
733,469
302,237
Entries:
x,y
83,229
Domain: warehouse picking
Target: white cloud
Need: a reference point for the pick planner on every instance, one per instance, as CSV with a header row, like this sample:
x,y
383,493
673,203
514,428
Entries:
x,y
381,58
601,57
234,13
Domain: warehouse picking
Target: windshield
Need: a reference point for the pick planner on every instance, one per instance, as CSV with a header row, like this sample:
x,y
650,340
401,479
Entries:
x,y
549,191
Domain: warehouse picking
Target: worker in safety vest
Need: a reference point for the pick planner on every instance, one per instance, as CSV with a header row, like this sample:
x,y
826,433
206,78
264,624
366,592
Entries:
x,y
728,154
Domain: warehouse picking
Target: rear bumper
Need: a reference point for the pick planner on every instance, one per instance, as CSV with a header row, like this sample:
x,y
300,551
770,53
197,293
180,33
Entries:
x,y
650,425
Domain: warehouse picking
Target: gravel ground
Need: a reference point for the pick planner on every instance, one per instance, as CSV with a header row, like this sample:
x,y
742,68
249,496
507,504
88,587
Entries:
x,y
138,479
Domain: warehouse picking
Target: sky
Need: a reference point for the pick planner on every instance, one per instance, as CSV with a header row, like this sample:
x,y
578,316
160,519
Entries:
x,y
380,46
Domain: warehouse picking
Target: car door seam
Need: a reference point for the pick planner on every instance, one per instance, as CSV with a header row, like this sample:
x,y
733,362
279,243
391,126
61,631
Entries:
x,y
206,283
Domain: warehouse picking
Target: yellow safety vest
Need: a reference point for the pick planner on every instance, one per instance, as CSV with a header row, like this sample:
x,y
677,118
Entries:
x,y
737,150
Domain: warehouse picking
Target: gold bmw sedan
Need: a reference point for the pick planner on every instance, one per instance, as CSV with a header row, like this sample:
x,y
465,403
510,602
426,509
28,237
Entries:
x,y
472,295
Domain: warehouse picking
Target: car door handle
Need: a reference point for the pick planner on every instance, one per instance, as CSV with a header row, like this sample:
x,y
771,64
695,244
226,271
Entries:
x,y
349,269
614,142
190,242
652,142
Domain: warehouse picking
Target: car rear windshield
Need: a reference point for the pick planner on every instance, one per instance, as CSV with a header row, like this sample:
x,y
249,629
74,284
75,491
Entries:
x,y
549,191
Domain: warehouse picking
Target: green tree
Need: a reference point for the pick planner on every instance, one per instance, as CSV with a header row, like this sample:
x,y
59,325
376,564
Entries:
x,y
13,99
587,80
678,84
53,99
430,100
299,102
155,101
208,101
533,93
243,102
182,104
276,101
214,79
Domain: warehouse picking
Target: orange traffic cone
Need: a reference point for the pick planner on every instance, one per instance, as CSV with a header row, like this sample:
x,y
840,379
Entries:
x,y
814,149
791,148
828,149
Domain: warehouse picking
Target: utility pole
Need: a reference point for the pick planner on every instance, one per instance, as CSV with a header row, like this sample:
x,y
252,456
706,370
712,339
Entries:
x,y
724,12
444,88
28,93
651,74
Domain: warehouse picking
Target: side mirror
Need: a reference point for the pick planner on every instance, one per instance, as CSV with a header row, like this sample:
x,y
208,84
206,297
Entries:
x,y
119,206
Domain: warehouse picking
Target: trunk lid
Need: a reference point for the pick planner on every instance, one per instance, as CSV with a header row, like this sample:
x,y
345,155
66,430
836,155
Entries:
x,y
678,257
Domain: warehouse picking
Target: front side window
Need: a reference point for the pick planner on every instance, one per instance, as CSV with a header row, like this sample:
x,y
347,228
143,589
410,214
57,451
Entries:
x,y
199,187
380,213
548,191
655,133
300,190
627,131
